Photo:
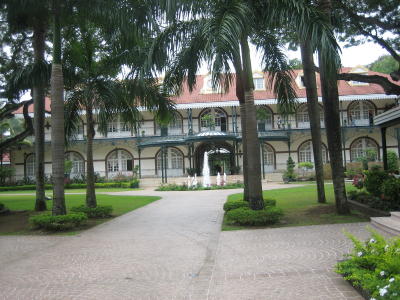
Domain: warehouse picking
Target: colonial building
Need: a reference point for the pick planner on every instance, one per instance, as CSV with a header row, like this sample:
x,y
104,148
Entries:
x,y
206,120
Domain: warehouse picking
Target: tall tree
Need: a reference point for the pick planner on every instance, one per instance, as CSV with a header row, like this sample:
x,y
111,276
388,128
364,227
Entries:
x,y
93,64
314,115
330,99
219,32
57,115
374,21
24,16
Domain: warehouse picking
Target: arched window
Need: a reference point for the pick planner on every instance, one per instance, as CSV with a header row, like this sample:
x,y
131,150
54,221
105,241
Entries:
x,y
175,126
30,166
78,164
119,161
360,147
213,119
264,119
360,113
303,119
269,158
306,153
173,162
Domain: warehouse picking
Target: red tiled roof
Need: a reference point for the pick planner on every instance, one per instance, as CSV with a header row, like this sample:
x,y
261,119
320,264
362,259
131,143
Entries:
x,y
344,89
6,157
47,107
196,96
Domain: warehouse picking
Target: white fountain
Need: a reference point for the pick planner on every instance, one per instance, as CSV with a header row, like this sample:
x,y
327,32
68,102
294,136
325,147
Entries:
x,y
195,181
218,179
206,171
189,182
224,178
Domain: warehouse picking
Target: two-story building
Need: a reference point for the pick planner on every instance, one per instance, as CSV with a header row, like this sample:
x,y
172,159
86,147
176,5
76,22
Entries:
x,y
207,120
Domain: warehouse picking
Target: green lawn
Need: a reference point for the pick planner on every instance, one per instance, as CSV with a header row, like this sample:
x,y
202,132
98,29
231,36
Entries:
x,y
301,208
22,205
49,192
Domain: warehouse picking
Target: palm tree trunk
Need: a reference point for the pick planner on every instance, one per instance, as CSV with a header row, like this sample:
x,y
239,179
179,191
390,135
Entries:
x,y
250,134
330,98
245,152
38,92
57,119
90,184
313,112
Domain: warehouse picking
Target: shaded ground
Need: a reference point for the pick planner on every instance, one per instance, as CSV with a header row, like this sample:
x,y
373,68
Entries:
x,y
173,249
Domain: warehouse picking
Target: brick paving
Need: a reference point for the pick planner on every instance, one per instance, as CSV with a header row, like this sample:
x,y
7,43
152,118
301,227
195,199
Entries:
x,y
173,249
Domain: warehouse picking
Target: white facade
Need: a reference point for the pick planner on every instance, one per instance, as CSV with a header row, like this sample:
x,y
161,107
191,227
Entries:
x,y
122,150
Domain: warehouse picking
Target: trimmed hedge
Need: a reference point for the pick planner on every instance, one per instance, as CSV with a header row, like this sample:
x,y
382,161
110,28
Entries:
x,y
233,204
130,184
246,216
98,212
58,223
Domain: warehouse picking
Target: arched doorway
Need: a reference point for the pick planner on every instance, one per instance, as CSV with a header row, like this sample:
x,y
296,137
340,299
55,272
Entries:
x,y
221,157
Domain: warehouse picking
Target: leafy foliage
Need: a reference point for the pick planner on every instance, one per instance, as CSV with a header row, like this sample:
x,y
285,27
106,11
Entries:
x,y
374,266
98,212
58,223
393,161
384,64
289,174
246,216
233,204
374,180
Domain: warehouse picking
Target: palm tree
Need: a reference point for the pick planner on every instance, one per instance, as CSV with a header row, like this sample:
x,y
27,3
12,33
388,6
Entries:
x,y
314,115
92,65
219,32
23,16
57,116
330,99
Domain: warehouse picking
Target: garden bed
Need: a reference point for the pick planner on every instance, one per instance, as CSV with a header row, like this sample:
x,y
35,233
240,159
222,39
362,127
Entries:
x,y
184,187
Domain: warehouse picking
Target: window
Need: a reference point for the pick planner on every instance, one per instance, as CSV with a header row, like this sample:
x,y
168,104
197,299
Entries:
x,y
175,126
303,118
119,161
360,147
117,125
173,162
30,166
78,164
360,113
269,158
264,119
213,119
306,153
258,83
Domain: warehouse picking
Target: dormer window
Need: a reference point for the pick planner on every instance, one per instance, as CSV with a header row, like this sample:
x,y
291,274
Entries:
x,y
300,81
358,70
208,86
258,81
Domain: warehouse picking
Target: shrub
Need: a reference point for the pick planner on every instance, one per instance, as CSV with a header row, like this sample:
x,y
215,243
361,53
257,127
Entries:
x,y
233,204
134,183
58,223
246,216
393,161
374,266
374,180
98,212
391,193
353,169
289,175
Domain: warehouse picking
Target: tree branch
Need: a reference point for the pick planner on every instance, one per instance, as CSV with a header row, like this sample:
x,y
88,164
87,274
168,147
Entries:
x,y
24,134
368,20
389,87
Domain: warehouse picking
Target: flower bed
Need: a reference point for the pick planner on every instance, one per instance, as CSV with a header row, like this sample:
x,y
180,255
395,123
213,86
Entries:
x,y
374,267
184,187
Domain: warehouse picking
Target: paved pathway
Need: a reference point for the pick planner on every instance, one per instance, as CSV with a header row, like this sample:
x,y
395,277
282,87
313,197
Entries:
x,y
173,249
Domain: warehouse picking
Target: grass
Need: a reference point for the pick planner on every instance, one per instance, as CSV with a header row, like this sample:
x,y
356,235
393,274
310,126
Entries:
x,y
301,208
22,208
49,192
